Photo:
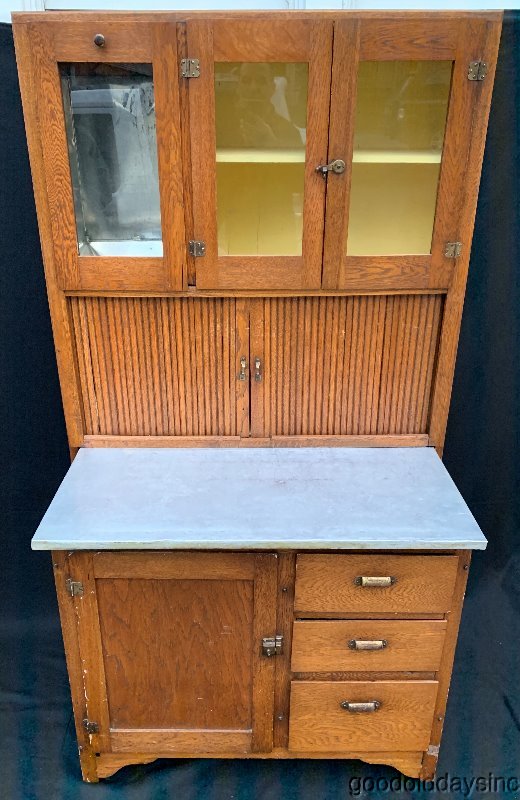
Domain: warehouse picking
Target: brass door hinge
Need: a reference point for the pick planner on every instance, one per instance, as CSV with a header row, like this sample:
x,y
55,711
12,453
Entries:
x,y
452,249
74,588
197,248
90,727
272,645
190,67
477,70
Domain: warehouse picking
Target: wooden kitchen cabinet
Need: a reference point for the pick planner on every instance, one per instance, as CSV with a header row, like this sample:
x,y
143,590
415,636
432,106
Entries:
x,y
256,230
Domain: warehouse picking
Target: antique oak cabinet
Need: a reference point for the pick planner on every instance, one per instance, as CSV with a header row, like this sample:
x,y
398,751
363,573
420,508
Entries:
x,y
256,232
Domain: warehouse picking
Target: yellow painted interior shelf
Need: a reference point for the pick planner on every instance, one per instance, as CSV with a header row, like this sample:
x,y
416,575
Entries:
x,y
245,155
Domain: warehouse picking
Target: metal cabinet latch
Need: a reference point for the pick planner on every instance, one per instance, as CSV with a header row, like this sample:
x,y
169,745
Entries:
x,y
258,369
272,646
337,166
243,367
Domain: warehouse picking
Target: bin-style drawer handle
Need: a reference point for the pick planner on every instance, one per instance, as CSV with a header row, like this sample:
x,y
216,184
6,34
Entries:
x,y
380,581
367,644
357,708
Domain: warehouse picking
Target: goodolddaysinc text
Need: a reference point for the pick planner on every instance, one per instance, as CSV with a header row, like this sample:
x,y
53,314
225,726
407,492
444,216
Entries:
x,y
452,784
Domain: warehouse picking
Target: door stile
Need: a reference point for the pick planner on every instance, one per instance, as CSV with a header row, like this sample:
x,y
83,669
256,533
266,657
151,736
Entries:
x,y
345,62
91,650
265,586
454,188
165,64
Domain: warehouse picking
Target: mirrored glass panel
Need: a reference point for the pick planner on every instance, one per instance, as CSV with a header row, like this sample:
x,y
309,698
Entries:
x,y
110,122
261,119
401,114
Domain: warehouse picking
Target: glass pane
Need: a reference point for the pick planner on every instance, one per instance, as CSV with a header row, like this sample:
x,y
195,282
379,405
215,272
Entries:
x,y
110,121
261,118
399,132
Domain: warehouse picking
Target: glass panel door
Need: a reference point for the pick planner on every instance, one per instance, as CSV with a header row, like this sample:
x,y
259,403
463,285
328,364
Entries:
x,y
259,114
107,97
111,133
399,131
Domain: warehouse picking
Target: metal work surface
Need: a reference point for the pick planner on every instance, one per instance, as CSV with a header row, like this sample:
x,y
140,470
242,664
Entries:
x,y
238,498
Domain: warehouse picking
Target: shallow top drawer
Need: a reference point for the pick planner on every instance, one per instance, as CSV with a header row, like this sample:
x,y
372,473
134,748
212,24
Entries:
x,y
365,584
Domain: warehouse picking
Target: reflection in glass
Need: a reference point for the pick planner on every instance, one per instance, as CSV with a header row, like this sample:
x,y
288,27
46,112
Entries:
x,y
399,133
110,122
261,118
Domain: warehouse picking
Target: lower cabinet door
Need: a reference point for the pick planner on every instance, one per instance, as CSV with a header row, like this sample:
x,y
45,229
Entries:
x,y
361,716
171,650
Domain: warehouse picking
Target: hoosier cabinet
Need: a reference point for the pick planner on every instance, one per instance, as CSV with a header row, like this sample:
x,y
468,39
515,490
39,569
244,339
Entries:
x,y
256,231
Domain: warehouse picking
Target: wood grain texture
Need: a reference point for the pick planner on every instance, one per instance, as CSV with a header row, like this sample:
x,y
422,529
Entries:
x,y
169,152
423,584
344,365
444,677
263,668
485,48
51,126
93,676
171,742
403,721
60,318
177,654
168,565
410,645
407,763
409,39
284,626
69,631
157,367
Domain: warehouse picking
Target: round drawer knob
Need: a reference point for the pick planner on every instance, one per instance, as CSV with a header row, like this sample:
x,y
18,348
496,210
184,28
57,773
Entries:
x,y
99,40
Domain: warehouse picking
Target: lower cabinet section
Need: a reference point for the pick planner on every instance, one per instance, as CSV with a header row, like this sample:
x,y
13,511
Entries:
x,y
193,654
334,716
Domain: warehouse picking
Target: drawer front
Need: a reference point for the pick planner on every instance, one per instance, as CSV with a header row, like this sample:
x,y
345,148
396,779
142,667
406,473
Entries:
x,y
367,645
320,723
396,584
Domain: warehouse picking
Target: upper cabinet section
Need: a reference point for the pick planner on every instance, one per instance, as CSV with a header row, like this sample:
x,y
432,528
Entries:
x,y
262,151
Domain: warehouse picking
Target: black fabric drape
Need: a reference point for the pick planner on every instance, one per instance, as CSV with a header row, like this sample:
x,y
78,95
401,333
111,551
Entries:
x,y
482,732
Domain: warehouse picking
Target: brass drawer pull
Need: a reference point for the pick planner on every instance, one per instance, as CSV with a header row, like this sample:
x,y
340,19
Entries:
x,y
375,581
356,708
367,644
99,40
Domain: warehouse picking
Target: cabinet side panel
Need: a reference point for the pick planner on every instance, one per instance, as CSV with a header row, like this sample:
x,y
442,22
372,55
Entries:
x,y
156,366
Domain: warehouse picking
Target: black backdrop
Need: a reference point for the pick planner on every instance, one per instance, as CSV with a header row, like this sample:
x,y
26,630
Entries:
x,y
482,732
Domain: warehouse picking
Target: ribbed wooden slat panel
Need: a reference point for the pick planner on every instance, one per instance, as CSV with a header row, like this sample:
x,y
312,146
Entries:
x,y
156,366
349,365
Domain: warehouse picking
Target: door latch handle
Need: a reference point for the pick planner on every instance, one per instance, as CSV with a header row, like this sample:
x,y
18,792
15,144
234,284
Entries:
x,y
258,369
243,366
337,166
